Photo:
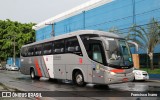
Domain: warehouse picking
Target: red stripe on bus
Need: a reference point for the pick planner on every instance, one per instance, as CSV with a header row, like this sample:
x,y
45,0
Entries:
x,y
37,67
117,70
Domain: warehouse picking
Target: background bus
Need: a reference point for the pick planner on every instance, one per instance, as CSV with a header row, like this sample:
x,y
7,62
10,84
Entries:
x,y
85,56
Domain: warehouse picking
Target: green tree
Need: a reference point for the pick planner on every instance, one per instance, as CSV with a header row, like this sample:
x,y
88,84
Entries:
x,y
146,37
10,31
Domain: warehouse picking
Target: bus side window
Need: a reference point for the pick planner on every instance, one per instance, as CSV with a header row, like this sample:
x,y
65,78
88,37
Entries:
x,y
30,51
24,52
58,47
53,48
47,48
72,46
38,50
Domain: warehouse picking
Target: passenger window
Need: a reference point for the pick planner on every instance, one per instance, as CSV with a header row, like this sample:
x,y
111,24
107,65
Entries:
x,y
47,48
30,51
24,51
72,46
38,50
58,47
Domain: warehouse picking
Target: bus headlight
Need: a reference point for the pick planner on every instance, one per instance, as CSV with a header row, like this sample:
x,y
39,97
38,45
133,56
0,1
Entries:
x,y
110,72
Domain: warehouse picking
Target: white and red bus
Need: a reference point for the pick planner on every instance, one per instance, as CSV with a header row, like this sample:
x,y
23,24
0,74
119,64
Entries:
x,y
85,56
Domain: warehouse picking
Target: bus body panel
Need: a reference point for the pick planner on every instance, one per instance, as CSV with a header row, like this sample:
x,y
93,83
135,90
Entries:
x,y
26,64
98,74
66,63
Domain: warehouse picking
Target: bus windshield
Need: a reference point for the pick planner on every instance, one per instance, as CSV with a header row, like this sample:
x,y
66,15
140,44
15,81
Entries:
x,y
118,53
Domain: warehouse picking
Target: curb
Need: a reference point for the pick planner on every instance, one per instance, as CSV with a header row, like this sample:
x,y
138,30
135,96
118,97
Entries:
x,y
153,80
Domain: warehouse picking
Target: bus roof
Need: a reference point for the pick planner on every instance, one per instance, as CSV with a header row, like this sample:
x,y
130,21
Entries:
x,y
75,33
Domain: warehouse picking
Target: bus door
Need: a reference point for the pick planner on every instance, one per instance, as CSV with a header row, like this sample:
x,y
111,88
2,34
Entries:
x,y
96,53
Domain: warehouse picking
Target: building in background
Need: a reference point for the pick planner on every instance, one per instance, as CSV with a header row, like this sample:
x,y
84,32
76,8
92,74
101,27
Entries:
x,y
10,61
103,15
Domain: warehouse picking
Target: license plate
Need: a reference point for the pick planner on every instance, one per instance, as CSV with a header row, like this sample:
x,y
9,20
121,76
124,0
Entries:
x,y
125,79
144,77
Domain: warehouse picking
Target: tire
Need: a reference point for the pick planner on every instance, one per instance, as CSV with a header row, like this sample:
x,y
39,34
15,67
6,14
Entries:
x,y
79,79
134,79
32,75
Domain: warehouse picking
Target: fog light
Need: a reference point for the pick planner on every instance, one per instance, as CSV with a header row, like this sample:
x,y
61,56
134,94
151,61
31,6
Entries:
x,y
110,79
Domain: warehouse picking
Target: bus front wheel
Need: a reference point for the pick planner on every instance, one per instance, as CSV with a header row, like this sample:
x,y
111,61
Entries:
x,y
79,79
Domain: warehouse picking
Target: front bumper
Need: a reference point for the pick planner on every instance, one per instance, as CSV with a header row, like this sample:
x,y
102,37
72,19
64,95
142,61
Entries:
x,y
119,78
14,69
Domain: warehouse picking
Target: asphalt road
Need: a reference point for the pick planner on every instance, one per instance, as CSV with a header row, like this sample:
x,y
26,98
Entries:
x,y
15,81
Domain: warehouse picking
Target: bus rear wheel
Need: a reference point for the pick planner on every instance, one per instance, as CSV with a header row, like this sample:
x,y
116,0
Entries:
x,y
32,75
79,79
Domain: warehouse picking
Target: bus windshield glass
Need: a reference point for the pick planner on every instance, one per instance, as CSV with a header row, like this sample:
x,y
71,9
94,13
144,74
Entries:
x,y
118,53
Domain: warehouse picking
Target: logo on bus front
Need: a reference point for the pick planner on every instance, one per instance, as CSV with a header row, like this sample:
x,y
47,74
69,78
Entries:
x,y
125,67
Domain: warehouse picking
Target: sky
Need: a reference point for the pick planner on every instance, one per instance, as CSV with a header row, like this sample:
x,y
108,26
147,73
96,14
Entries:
x,y
35,11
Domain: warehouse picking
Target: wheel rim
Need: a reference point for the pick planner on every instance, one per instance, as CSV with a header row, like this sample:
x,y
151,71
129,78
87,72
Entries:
x,y
32,74
79,79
